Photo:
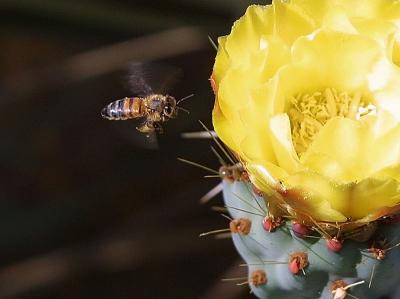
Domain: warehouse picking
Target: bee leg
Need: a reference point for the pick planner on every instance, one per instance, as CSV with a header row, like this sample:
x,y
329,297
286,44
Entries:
x,y
146,127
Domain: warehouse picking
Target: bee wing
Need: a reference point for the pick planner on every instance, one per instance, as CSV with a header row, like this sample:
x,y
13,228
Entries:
x,y
150,78
138,80
171,76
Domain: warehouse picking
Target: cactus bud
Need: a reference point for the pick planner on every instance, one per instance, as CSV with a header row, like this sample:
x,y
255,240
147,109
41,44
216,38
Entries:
x,y
334,244
270,224
300,230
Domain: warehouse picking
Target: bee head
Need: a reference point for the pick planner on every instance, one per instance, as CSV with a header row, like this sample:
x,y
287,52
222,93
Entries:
x,y
170,110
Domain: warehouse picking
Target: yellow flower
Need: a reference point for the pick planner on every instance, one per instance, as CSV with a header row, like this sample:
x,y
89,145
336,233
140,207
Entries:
x,y
308,96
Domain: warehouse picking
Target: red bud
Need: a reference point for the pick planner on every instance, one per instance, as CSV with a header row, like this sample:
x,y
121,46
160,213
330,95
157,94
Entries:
x,y
334,244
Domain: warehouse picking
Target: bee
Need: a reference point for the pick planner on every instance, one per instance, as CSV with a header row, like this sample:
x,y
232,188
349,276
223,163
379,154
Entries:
x,y
154,108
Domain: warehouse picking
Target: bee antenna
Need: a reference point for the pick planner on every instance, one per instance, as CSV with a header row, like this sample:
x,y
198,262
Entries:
x,y
185,98
183,109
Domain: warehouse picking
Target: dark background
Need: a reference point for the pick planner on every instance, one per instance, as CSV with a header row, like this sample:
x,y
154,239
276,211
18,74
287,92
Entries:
x,y
85,210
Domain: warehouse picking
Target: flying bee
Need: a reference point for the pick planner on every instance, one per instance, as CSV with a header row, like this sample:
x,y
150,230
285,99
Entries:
x,y
154,108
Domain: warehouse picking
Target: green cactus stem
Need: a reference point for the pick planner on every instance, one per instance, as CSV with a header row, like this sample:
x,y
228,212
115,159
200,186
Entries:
x,y
286,260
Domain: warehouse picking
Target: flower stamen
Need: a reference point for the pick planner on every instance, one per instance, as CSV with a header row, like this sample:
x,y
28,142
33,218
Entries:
x,y
309,113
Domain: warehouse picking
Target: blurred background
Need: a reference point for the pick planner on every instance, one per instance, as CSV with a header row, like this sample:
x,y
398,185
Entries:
x,y
85,210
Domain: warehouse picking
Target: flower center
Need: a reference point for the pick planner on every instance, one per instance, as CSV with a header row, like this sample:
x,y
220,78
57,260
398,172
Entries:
x,y
309,113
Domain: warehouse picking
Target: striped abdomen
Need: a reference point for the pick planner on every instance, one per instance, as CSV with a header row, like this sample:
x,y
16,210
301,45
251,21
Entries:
x,y
125,108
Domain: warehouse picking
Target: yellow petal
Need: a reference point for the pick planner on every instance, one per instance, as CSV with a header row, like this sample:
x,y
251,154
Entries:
x,y
222,60
364,9
327,166
316,9
266,176
255,117
291,21
235,89
384,82
393,172
251,39
275,54
245,102
347,150
338,58
224,128
392,13
396,50
382,31
340,144
336,19
323,199
371,195
384,151
281,139
255,147
244,39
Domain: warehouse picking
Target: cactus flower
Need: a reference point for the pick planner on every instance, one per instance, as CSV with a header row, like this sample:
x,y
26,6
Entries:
x,y
308,98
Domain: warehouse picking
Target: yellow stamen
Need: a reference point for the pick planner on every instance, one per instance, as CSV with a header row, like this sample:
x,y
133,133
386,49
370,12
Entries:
x,y
309,113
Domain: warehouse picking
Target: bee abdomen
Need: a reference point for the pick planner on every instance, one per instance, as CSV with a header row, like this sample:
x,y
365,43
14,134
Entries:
x,y
122,109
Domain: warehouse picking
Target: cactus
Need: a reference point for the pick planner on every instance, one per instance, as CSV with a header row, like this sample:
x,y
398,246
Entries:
x,y
289,260
314,195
